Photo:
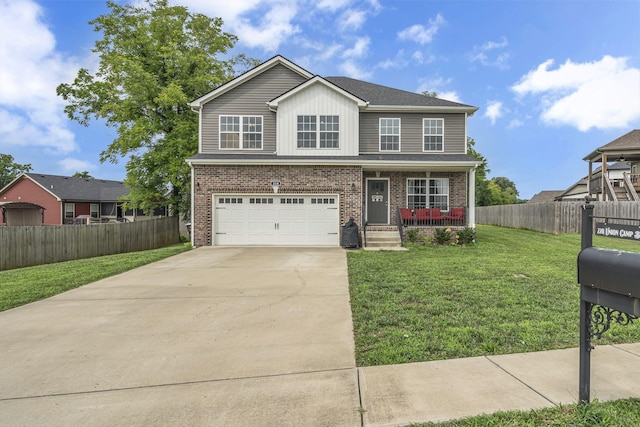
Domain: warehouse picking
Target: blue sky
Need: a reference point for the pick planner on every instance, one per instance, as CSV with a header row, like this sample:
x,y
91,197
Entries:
x,y
553,79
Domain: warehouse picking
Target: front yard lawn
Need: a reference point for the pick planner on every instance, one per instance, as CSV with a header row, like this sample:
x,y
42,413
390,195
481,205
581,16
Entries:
x,y
514,291
24,285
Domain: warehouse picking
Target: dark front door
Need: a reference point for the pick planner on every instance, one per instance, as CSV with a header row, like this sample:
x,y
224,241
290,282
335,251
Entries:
x,y
378,201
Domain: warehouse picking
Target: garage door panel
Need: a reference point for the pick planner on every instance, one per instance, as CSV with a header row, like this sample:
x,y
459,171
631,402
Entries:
x,y
286,220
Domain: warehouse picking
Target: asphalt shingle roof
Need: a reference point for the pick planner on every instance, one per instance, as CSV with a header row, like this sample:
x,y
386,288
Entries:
x,y
383,95
72,188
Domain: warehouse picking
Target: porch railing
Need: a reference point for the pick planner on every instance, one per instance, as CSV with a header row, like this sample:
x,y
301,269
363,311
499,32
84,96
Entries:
x,y
433,217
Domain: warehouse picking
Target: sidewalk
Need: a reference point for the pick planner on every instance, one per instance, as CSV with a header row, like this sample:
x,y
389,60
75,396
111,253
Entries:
x,y
437,391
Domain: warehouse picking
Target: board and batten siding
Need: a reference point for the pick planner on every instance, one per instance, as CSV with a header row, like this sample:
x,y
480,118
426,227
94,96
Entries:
x,y
411,131
248,99
317,100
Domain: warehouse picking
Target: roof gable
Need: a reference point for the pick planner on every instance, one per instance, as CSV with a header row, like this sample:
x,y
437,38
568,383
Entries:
x,y
317,80
276,60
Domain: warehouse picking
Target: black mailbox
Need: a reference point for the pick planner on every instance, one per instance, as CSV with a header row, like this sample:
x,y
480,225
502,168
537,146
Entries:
x,y
610,270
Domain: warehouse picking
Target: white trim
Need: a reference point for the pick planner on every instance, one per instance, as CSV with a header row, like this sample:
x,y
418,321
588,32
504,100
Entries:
x,y
420,109
428,193
25,174
276,60
273,104
367,165
366,198
318,132
193,204
380,119
423,135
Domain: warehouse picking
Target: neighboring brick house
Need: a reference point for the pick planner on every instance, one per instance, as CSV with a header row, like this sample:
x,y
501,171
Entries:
x,y
286,157
66,198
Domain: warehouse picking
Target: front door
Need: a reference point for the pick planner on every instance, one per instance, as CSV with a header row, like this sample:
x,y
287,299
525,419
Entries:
x,y
378,201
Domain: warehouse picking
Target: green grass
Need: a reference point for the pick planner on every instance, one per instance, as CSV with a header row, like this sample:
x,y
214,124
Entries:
x,y
619,413
24,285
514,291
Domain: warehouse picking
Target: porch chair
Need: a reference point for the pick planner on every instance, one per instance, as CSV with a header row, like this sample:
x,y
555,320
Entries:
x,y
456,214
407,216
436,214
423,216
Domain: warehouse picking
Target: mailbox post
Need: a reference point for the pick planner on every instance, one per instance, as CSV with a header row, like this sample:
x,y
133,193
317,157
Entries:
x,y
609,292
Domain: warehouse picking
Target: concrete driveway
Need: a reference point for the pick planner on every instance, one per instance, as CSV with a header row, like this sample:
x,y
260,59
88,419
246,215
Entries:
x,y
214,336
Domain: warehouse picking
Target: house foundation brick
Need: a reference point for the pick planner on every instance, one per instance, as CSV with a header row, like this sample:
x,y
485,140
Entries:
x,y
209,180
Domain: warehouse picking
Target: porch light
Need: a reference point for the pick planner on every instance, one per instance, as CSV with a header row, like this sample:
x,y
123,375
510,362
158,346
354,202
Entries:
x,y
621,159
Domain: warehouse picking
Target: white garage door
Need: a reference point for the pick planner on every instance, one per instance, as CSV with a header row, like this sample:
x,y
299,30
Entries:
x,y
276,220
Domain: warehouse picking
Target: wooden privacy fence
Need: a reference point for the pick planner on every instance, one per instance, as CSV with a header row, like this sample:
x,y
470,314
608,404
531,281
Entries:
x,y
23,246
553,217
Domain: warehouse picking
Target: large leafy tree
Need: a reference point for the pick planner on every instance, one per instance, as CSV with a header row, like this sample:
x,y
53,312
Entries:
x,y
152,61
9,169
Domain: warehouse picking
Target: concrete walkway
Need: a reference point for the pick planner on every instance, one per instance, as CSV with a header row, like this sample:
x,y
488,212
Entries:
x,y
253,337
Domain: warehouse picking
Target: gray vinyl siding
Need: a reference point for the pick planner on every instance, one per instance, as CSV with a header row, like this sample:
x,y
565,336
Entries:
x,y
249,99
411,131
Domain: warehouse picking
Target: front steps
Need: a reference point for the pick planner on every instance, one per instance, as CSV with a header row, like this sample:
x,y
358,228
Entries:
x,y
383,239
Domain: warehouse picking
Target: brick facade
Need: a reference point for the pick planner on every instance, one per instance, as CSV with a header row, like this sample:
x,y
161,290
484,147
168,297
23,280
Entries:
x,y
345,181
398,188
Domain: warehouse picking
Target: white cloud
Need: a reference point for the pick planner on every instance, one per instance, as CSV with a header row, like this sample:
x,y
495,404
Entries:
x,y
359,49
332,5
515,123
420,58
449,95
421,34
72,166
352,20
257,23
601,94
31,114
494,111
350,69
482,54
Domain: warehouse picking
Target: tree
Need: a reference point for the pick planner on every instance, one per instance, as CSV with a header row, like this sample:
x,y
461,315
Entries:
x,y
152,61
84,175
430,94
481,173
9,170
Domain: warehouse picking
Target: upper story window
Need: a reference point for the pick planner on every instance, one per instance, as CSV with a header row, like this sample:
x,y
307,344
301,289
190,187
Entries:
x,y
234,129
428,193
389,134
433,134
318,131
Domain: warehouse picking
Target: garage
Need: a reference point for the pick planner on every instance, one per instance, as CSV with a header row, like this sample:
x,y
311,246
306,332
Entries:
x,y
276,220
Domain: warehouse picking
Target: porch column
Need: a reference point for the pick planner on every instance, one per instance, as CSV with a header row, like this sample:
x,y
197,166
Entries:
x,y
472,198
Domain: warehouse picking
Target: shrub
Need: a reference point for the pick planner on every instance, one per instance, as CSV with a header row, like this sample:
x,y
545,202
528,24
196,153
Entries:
x,y
413,234
466,236
442,236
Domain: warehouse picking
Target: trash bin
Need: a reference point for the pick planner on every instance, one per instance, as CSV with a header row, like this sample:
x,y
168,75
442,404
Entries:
x,y
350,236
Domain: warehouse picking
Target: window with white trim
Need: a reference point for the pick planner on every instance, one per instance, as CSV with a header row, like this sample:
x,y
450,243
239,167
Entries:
x,y
70,210
318,131
234,129
428,193
433,134
390,134
94,210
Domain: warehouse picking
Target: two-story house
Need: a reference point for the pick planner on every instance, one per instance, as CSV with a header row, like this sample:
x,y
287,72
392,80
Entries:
x,y
286,157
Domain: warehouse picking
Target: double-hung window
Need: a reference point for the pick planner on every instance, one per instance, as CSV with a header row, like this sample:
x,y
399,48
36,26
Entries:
x,y
390,134
433,134
428,193
318,131
94,210
241,132
69,210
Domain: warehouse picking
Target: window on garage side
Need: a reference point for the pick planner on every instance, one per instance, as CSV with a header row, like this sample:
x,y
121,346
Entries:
x,y
247,129
390,134
329,132
307,131
428,193
433,134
